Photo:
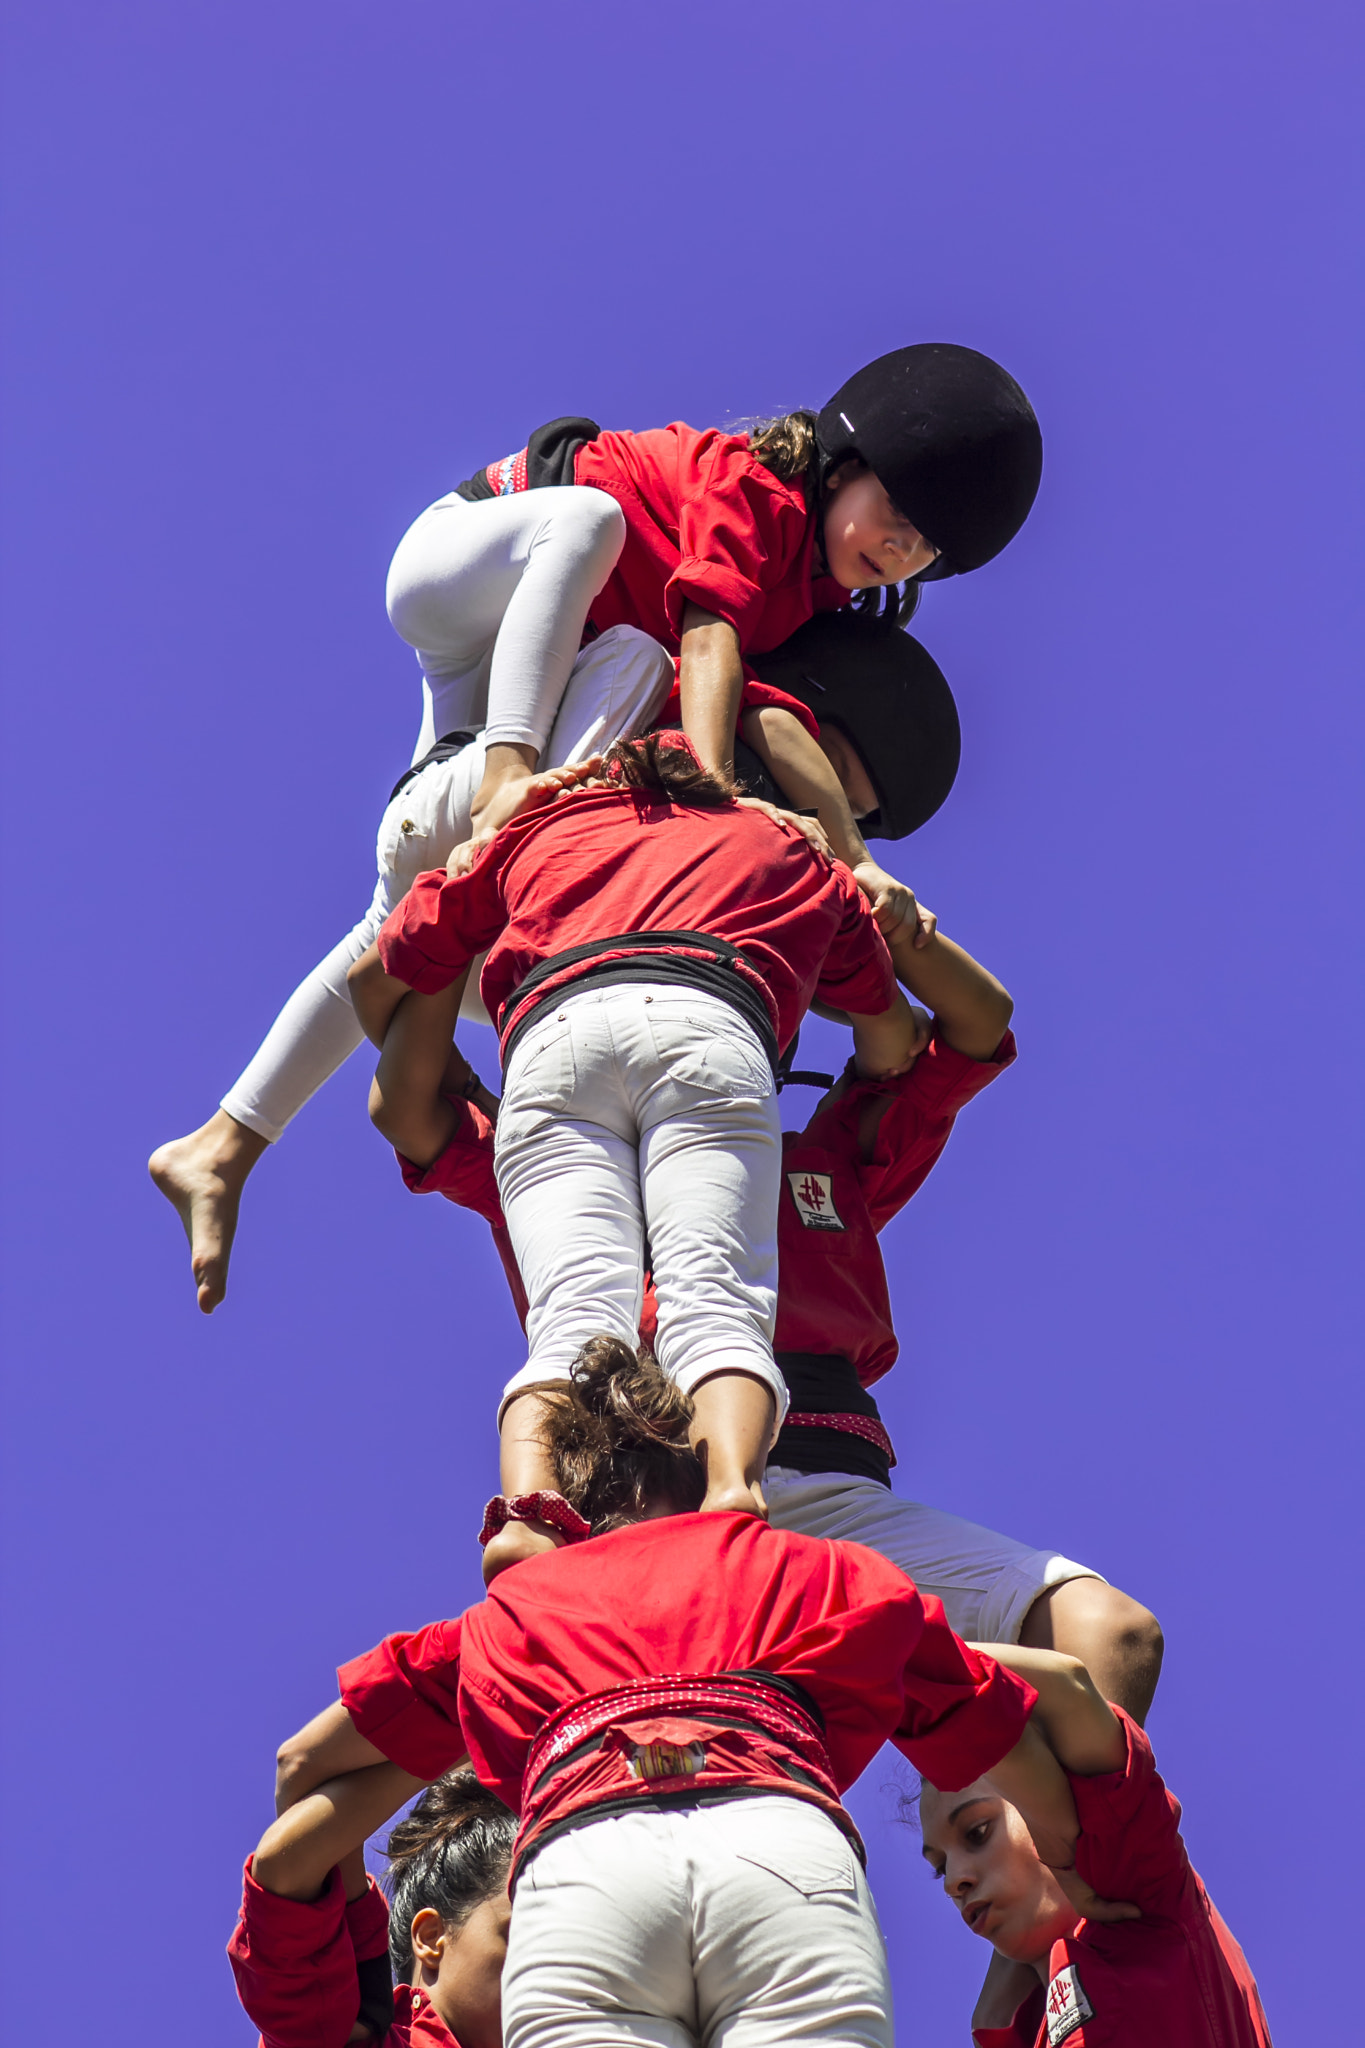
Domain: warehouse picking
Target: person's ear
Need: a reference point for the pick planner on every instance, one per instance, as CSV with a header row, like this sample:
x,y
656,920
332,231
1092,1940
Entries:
x,y
844,473
428,1937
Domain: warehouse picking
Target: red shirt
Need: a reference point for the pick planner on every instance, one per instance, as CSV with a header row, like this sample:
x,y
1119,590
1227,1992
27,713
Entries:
x,y
691,1594
621,860
832,1290
705,522
1175,1978
295,1965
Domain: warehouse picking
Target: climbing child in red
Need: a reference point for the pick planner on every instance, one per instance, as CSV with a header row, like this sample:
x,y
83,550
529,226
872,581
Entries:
x,y
674,1708
1173,1976
716,545
318,1950
654,945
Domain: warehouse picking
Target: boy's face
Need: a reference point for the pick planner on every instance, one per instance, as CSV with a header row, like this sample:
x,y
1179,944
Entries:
x,y
851,770
978,1844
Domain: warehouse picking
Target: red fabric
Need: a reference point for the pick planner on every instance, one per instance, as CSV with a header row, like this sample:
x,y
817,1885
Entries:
x,y
705,522
618,860
754,696
832,1289
1176,1976
294,1962
464,1174
691,1594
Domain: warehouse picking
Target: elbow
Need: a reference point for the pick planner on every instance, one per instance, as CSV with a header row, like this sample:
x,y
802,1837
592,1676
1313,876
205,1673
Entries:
x,y
293,1777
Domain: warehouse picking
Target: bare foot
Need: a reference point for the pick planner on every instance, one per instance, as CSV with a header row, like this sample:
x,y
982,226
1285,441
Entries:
x,y
513,1542
202,1177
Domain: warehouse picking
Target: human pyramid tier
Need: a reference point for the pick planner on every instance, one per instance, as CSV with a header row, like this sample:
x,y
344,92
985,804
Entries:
x,y
668,697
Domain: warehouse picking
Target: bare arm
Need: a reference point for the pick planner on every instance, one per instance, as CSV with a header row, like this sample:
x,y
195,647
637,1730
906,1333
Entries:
x,y
807,778
971,1007
1080,1726
374,994
419,1066
710,685
885,1045
329,1826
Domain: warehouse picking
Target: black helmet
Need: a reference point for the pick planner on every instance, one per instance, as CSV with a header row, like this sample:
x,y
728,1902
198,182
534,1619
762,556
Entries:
x,y
953,439
889,697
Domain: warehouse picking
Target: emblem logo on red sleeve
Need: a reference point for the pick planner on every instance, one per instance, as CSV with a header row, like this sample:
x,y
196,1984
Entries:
x,y
1067,2005
813,1194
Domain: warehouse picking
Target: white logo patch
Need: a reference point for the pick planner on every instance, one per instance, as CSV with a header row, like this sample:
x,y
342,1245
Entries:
x,y
1067,2005
813,1194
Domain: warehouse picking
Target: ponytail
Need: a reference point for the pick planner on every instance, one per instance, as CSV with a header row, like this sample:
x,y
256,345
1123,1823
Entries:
x,y
617,1438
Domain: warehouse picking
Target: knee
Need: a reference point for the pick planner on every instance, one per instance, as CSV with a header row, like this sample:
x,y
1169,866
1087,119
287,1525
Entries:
x,y
592,524
1114,1636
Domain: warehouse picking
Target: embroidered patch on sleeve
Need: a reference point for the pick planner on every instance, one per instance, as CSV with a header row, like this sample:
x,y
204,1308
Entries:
x,y
813,1194
1067,2005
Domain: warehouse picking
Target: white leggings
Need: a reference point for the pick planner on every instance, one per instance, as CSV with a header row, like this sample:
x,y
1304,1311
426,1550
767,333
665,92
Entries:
x,y
615,687
642,1115
494,596
747,1924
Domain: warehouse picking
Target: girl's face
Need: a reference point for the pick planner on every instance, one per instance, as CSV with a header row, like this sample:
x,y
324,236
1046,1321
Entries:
x,y
460,1970
980,1847
867,540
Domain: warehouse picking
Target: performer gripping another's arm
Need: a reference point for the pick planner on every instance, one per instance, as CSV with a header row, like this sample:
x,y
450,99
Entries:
x,y
318,1949
675,1707
1172,1974
655,943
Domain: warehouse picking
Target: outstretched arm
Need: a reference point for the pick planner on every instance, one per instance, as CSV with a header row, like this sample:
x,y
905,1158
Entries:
x,y
420,1068
330,1826
1081,1728
807,778
710,685
971,1008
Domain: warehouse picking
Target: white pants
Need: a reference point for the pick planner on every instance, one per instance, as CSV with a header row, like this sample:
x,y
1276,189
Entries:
x,y
494,596
987,1583
615,687
743,1925
639,1115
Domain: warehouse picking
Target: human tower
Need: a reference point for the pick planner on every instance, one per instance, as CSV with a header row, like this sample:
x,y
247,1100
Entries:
x,y
667,699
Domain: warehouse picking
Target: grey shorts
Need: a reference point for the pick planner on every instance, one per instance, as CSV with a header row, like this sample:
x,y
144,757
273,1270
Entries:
x,y
987,1583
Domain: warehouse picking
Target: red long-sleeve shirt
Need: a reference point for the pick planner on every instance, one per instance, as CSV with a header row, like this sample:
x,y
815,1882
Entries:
x,y
691,1594
832,1288
705,523
295,1965
617,860
1174,1977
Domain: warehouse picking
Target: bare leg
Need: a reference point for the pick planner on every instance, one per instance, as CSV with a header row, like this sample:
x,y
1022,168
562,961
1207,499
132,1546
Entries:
x,y
1118,1641
202,1177
732,1426
526,1468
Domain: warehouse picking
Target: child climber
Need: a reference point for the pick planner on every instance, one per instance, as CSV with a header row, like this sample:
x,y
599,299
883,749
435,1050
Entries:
x,y
1171,1974
718,545
318,1951
655,945
674,1709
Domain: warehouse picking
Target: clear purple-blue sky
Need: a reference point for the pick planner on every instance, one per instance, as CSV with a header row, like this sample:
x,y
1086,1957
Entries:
x,y
274,278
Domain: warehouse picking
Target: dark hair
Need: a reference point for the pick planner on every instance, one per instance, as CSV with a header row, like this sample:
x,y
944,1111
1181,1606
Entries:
x,y
662,761
617,1437
788,447
450,1853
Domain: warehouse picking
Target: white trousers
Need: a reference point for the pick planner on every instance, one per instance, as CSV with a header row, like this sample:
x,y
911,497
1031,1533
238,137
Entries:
x,y
639,1123
747,1924
987,1583
615,687
494,596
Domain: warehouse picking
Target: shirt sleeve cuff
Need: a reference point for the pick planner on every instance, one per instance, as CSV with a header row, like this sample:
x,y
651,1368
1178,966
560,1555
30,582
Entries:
x,y
715,588
973,1735
283,1929
381,1699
